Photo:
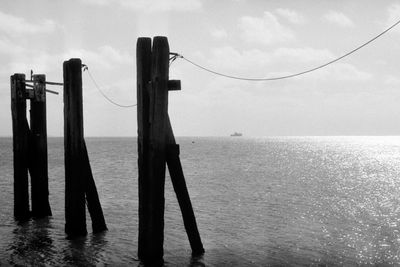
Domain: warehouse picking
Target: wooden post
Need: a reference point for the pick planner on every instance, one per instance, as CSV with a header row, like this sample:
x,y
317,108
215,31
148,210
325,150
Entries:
x,y
78,174
92,197
75,213
152,251
143,67
156,147
182,194
20,147
38,150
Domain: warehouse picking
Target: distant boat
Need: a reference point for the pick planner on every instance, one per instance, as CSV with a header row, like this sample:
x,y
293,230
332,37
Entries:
x,y
236,134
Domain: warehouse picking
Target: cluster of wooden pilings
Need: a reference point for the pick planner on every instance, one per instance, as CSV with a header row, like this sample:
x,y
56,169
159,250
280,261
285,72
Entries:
x,y
30,153
156,149
30,148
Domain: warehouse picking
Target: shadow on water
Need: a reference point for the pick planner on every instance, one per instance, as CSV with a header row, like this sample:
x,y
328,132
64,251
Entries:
x,y
37,243
197,261
31,243
86,251
266,256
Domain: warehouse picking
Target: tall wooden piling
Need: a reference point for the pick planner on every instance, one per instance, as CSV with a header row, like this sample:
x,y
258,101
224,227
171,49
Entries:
x,y
20,147
152,91
38,166
79,184
143,67
75,213
156,148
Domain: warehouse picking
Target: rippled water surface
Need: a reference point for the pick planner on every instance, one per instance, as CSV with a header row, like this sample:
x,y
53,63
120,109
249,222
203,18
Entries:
x,y
260,201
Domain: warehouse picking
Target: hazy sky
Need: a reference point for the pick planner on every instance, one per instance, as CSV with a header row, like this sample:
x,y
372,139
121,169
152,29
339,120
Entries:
x,y
357,96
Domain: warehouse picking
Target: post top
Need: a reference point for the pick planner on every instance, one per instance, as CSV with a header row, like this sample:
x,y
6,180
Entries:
x,y
74,60
143,43
160,40
19,75
143,38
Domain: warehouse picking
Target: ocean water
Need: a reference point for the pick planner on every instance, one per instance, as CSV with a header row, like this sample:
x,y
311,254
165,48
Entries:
x,y
284,201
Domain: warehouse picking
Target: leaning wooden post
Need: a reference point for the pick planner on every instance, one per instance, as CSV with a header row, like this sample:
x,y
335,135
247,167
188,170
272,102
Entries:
x,y
182,194
38,150
143,67
92,197
75,213
20,147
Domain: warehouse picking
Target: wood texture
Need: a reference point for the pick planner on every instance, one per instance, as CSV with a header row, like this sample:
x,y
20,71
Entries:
x,y
92,197
75,213
79,183
38,161
143,67
157,146
182,194
20,147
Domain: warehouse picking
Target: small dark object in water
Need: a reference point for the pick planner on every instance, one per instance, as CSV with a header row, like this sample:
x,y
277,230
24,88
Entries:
x,y
236,134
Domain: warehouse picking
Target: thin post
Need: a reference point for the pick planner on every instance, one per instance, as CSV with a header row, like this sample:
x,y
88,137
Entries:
x,y
75,213
143,67
92,197
182,194
20,147
38,166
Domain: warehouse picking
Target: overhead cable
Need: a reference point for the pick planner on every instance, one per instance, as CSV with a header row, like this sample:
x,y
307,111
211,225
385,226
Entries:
x,y
85,68
294,74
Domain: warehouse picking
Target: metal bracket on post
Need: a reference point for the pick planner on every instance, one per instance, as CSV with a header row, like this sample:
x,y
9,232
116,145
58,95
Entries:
x,y
174,85
42,84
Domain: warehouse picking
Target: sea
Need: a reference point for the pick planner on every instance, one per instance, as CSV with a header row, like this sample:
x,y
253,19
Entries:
x,y
270,201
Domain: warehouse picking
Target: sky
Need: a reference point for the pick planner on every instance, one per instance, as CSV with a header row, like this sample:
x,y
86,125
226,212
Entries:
x,y
359,95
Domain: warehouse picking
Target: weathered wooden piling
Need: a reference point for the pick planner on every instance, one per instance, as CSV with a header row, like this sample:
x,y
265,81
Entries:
x,y
38,166
156,148
78,177
152,91
20,147
143,67
75,213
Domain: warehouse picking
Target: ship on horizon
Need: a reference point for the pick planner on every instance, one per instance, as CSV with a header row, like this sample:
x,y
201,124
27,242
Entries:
x,y
236,134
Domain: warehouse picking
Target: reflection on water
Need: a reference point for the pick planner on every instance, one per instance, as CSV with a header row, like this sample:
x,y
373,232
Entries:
x,y
86,251
197,261
32,244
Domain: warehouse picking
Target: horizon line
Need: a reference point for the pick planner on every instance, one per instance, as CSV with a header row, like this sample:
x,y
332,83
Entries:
x,y
244,136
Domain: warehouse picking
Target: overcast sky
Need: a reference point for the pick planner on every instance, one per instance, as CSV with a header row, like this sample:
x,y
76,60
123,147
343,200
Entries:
x,y
359,95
